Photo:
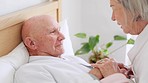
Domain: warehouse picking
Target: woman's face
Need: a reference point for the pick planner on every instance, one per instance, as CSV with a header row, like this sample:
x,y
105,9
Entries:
x,y
118,15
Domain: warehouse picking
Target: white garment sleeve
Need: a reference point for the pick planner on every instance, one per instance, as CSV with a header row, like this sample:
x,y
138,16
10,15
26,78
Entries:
x,y
116,78
142,68
33,75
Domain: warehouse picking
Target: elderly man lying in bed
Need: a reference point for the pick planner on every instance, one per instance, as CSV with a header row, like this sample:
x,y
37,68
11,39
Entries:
x,y
43,39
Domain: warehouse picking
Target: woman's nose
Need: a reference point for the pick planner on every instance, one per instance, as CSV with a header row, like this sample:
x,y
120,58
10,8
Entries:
x,y
113,17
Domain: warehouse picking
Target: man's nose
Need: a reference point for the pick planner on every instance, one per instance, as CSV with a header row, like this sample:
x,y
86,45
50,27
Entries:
x,y
61,36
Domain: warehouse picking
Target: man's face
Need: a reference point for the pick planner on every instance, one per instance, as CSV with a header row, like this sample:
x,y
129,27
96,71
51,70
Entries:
x,y
49,39
120,15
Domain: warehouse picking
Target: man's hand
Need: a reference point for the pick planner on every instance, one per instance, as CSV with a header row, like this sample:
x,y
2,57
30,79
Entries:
x,y
107,67
96,72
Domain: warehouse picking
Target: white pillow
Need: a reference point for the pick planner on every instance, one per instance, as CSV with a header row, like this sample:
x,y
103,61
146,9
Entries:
x,y
11,62
17,57
6,72
67,42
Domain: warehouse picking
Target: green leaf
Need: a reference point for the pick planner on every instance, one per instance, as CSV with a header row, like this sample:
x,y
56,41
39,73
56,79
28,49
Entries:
x,y
84,43
118,37
130,41
93,41
109,44
105,52
81,35
83,50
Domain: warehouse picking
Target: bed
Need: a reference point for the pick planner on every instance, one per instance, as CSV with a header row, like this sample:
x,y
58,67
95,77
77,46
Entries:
x,y
13,54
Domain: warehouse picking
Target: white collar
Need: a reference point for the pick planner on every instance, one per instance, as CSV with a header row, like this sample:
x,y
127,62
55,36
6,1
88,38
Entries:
x,y
63,58
34,58
140,41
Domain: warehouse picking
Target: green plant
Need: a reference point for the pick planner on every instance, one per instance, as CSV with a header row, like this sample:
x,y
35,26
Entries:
x,y
91,46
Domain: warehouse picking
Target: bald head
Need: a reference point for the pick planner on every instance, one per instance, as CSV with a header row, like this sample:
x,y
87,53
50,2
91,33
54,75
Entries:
x,y
35,24
41,36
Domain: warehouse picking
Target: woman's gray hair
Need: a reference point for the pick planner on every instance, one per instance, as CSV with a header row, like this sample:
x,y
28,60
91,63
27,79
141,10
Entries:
x,y
138,8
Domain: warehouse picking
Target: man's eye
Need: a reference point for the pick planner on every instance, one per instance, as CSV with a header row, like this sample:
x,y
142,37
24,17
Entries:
x,y
53,31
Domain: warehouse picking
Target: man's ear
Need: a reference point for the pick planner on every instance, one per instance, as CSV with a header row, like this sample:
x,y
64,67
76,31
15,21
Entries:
x,y
30,43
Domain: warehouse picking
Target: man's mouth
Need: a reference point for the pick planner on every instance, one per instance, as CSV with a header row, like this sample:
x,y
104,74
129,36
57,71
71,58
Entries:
x,y
119,25
59,45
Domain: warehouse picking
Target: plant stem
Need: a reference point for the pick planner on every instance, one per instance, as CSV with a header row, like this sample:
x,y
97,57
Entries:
x,y
94,52
117,48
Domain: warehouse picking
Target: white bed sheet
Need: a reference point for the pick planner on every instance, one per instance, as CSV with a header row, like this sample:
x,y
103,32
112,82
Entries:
x,y
8,6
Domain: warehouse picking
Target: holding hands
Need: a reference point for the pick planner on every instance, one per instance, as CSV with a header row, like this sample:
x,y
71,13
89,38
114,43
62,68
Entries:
x,y
107,67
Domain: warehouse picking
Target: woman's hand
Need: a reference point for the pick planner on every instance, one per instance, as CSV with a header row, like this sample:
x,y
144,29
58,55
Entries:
x,y
107,67
126,70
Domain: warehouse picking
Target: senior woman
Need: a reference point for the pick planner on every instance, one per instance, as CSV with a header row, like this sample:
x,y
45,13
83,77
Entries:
x,y
132,15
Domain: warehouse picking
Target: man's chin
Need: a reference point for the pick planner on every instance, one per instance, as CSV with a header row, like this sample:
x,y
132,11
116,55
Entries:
x,y
61,51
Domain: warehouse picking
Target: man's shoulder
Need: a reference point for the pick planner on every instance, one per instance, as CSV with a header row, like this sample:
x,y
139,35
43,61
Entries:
x,y
29,68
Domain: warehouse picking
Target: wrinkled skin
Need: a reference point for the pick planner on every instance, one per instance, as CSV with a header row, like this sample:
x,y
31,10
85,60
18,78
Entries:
x,y
42,37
